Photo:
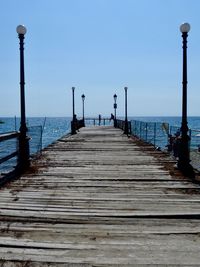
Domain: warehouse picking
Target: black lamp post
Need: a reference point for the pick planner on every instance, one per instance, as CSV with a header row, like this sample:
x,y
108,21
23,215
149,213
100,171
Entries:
x,y
73,104
126,118
83,101
115,108
184,157
23,160
74,119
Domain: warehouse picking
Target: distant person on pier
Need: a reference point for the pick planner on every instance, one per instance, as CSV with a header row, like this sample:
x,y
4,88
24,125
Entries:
x,y
75,121
99,119
112,117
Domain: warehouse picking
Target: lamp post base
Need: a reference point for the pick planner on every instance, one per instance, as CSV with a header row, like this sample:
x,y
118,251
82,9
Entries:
x,y
186,169
126,128
23,158
184,156
73,128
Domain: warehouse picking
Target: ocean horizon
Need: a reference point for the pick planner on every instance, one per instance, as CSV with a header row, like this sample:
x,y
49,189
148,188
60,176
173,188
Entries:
x,y
46,130
55,127
13,123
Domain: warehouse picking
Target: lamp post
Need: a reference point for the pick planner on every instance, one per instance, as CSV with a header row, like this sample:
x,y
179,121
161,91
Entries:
x,y
74,119
23,160
73,104
126,118
115,108
184,158
83,101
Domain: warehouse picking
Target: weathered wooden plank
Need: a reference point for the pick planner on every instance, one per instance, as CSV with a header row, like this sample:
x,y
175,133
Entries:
x,y
98,199
103,256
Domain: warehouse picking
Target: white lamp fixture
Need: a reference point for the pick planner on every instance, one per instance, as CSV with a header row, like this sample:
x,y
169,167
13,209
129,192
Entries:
x,y
21,29
185,27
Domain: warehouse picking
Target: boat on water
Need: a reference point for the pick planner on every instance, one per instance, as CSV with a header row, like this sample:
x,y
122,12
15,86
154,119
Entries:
x,y
1,121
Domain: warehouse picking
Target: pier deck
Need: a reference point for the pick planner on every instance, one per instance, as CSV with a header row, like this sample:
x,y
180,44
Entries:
x,y
98,199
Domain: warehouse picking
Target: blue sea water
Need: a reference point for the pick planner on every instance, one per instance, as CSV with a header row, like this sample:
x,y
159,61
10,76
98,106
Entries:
x,y
55,127
52,128
42,132
193,122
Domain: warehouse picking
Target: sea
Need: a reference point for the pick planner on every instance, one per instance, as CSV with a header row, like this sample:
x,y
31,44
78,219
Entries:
x,y
56,127
46,130
52,128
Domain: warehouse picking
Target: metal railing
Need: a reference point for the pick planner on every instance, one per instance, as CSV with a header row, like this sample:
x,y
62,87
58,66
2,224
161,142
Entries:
x,y
98,122
121,125
35,139
155,133
194,144
195,139
77,124
163,136
8,150
9,147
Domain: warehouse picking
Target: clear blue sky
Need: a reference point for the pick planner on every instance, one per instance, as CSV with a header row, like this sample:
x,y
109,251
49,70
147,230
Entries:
x,y
99,46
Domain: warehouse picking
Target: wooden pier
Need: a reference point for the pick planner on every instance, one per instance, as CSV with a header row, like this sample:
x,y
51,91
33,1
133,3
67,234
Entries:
x,y
100,199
